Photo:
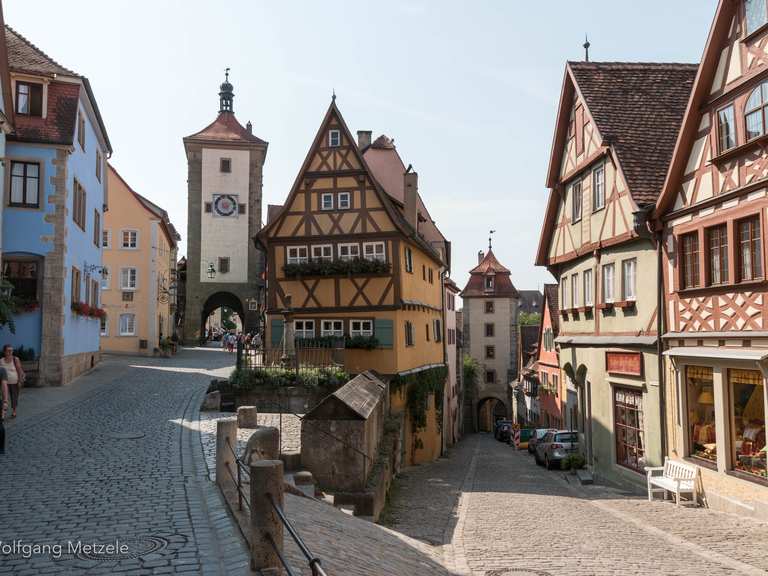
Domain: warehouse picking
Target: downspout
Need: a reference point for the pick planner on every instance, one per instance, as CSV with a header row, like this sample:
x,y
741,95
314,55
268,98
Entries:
x,y
660,315
443,274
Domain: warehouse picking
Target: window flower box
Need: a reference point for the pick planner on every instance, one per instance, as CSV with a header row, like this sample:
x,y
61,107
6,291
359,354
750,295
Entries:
x,y
336,268
605,306
584,309
564,313
625,304
84,309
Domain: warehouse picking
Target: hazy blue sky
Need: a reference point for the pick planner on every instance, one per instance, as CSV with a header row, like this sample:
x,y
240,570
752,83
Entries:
x,y
468,90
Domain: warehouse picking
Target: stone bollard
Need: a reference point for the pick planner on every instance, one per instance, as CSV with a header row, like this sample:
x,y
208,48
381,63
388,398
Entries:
x,y
305,482
266,527
263,444
226,429
247,417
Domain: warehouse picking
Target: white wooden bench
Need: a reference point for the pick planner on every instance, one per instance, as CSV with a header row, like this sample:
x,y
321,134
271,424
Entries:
x,y
676,477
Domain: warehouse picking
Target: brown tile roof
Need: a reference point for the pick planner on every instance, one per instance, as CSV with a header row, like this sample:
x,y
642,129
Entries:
x,y
227,129
23,56
638,109
58,127
489,263
361,395
551,298
530,301
273,211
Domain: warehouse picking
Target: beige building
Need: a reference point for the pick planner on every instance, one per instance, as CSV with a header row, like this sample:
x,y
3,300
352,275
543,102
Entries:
x,y
138,284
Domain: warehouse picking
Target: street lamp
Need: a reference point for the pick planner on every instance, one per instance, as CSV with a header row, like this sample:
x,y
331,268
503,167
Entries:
x,y
211,271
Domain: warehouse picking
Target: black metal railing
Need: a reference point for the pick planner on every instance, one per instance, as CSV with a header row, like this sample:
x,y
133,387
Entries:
x,y
306,354
312,561
242,470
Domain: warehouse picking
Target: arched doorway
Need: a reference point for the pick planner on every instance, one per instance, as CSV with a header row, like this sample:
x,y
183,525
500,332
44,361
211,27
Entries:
x,y
489,410
222,311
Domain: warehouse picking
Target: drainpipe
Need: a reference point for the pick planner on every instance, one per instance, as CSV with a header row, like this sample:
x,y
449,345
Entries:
x,y
660,315
443,274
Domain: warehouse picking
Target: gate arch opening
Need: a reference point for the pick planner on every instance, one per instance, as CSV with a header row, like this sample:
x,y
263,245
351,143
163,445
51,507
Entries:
x,y
231,318
489,410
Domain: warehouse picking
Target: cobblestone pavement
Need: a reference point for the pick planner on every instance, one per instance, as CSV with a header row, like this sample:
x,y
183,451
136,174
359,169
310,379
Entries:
x,y
289,425
117,456
492,512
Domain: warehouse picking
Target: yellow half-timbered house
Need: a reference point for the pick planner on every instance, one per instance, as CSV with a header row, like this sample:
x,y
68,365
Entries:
x,y
354,253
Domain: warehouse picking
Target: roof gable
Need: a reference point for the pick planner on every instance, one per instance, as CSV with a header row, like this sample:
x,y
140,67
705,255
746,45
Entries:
x,y
502,283
23,56
356,400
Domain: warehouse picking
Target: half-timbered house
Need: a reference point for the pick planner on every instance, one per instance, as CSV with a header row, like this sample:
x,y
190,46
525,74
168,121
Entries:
x,y
614,136
713,211
354,254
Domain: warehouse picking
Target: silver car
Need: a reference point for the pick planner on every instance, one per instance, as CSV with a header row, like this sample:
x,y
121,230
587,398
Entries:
x,y
555,447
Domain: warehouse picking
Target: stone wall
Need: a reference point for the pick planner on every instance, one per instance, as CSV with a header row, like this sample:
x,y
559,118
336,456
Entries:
x,y
76,364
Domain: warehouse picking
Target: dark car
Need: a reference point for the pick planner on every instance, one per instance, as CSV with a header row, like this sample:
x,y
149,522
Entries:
x,y
537,435
500,425
556,447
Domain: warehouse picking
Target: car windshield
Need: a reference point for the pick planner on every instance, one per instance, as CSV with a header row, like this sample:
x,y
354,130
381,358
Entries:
x,y
566,437
541,433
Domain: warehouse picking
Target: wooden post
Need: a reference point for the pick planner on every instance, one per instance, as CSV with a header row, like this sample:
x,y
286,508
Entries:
x,y
266,479
226,429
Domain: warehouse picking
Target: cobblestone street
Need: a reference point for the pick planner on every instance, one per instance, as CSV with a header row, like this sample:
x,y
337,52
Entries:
x,y
117,455
491,512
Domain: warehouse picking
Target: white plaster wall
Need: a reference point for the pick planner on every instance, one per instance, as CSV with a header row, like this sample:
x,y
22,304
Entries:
x,y
501,339
224,237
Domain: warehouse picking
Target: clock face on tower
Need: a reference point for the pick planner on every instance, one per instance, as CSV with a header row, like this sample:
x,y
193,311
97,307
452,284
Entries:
x,y
224,205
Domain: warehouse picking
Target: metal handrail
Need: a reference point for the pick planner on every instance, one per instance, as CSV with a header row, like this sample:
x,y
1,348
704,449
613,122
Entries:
x,y
312,560
280,556
238,481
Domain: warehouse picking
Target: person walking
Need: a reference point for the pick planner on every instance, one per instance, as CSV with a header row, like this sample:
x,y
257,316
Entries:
x,y
3,407
14,375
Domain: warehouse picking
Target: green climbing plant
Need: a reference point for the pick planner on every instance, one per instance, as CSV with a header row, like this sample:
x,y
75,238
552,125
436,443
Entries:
x,y
471,369
418,387
8,306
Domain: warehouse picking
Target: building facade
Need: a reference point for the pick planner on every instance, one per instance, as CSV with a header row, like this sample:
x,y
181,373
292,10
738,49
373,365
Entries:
x,y
353,253
54,202
138,283
713,212
453,397
552,393
6,107
224,267
604,176
490,316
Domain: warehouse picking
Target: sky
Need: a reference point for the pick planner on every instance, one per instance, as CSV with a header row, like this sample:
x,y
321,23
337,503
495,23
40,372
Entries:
x,y
468,90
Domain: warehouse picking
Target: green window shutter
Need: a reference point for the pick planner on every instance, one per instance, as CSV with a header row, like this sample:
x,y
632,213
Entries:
x,y
276,332
382,330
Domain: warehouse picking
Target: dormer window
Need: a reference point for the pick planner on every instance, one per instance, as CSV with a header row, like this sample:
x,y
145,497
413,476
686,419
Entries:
x,y
334,138
29,99
756,14
489,282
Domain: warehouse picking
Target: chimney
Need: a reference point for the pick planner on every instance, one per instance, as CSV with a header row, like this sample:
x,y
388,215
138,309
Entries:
x,y
480,256
249,127
363,138
410,200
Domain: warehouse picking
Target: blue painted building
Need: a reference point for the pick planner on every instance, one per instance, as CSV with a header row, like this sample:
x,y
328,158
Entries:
x,y
54,199
6,100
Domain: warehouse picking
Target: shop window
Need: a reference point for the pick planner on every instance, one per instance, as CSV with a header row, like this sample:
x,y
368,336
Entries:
x,y
628,428
747,393
702,440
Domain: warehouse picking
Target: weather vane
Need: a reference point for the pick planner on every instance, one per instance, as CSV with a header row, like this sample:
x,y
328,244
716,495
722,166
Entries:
x,y
226,75
586,48
490,238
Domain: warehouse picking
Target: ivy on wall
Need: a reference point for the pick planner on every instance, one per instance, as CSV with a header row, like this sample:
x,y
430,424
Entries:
x,y
418,387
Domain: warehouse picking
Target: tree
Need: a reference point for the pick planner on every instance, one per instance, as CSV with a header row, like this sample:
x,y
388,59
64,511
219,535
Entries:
x,y
470,369
529,318
226,319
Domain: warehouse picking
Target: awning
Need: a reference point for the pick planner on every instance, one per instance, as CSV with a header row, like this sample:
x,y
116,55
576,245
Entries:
x,y
723,353
607,340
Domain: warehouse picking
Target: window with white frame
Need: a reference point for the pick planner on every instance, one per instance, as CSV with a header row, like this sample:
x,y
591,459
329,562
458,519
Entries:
x,y
360,328
297,254
332,328
334,138
588,288
374,251
608,270
106,239
128,277
344,201
349,252
408,260
598,187
104,326
322,252
130,239
127,324
304,328
326,201
628,279
574,291
564,292
105,278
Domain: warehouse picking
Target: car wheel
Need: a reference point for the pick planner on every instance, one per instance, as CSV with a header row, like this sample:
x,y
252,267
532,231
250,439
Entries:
x,y
547,463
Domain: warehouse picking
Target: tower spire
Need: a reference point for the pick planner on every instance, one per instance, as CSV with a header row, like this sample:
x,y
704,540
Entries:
x,y
586,48
490,239
226,94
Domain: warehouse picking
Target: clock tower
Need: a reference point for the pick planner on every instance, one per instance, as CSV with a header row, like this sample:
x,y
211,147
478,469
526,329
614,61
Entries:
x,y
224,183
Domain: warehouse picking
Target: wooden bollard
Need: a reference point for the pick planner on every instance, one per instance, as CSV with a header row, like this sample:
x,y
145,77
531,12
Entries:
x,y
266,479
226,429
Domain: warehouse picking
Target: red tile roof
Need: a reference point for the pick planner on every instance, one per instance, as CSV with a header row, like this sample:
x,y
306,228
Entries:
x,y
489,263
227,129
551,298
502,284
58,127
23,56
638,109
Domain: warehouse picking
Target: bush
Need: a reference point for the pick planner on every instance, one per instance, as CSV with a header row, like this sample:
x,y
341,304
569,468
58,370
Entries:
x,y
573,462
324,378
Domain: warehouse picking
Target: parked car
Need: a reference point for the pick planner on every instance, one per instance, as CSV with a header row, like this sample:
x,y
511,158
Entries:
x,y
502,426
537,435
525,437
555,447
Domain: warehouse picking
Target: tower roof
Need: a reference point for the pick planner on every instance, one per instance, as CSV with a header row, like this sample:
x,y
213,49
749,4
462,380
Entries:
x,y
489,264
501,285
